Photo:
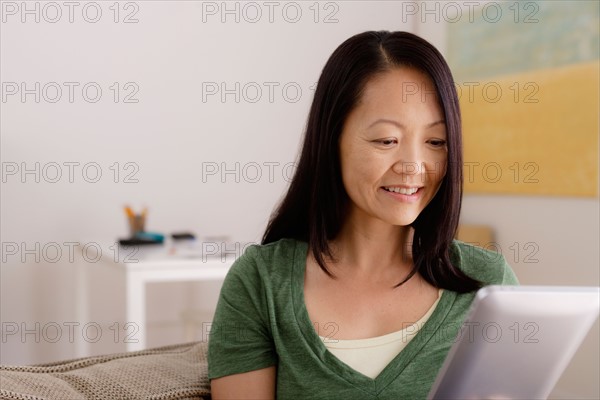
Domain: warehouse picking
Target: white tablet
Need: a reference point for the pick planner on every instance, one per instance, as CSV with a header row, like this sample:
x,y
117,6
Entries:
x,y
516,341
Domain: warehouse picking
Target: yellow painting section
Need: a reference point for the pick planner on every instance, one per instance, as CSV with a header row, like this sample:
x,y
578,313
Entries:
x,y
533,133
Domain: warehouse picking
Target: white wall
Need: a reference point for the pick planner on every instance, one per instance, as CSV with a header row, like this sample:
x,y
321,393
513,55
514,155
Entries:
x,y
171,133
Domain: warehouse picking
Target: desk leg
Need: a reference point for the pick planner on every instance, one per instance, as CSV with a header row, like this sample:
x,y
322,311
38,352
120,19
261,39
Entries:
x,y
136,311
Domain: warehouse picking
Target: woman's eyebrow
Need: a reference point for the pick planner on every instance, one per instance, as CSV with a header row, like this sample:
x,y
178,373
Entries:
x,y
388,121
400,125
441,121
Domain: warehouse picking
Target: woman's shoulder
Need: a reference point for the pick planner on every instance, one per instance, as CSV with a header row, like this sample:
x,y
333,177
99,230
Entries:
x,y
280,250
487,266
266,259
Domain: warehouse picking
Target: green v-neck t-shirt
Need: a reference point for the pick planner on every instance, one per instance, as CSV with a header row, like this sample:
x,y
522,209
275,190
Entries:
x,y
261,321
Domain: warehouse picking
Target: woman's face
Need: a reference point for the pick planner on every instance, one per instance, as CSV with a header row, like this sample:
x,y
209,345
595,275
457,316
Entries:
x,y
393,147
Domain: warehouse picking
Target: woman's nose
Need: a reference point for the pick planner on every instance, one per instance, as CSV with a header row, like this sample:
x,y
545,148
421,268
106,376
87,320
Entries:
x,y
409,160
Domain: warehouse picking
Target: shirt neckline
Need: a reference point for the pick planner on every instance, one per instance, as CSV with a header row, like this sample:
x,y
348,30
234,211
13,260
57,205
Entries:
x,y
360,381
387,338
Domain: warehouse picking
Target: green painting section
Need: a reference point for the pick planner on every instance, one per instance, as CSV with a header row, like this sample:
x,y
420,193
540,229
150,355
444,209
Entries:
x,y
498,38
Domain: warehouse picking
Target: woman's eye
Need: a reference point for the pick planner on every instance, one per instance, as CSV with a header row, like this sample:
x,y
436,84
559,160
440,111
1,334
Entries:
x,y
386,142
437,142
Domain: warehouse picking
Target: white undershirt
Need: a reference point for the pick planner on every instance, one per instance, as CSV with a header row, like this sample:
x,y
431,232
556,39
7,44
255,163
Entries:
x,y
370,356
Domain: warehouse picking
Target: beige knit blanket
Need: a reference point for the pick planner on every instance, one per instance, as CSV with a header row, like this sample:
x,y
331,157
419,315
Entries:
x,y
166,373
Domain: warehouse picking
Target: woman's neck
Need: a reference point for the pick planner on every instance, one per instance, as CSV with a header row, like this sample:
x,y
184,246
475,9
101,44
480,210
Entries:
x,y
372,249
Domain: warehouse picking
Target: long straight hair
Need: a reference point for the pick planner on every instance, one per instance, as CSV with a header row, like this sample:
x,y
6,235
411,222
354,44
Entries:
x,y
314,207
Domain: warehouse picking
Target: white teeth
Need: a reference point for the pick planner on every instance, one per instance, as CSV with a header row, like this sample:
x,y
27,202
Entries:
x,y
401,190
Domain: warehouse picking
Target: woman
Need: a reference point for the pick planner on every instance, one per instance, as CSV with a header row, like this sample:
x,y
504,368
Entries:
x,y
358,288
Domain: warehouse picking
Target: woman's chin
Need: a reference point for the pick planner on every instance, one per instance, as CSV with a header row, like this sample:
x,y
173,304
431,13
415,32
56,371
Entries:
x,y
404,220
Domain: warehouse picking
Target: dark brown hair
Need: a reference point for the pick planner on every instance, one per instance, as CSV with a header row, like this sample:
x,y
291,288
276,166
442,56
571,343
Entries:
x,y
313,209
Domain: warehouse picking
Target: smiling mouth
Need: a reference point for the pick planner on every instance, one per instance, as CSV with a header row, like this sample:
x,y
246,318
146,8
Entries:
x,y
400,190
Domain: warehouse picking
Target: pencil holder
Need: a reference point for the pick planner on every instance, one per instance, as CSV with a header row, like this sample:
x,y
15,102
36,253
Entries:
x,y
137,223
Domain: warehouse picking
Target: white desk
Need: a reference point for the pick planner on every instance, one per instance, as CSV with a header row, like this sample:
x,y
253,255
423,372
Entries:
x,y
153,263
